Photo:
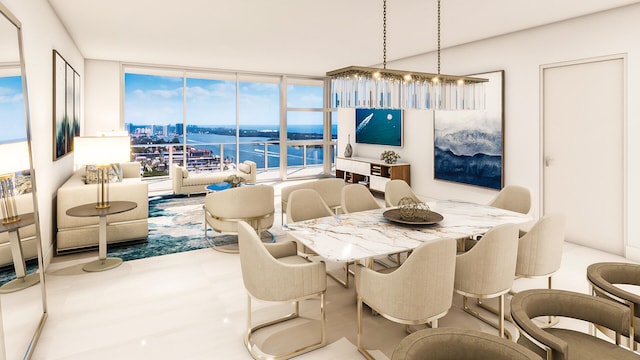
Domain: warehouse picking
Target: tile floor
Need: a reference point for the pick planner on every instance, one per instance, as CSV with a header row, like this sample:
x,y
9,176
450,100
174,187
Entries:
x,y
193,306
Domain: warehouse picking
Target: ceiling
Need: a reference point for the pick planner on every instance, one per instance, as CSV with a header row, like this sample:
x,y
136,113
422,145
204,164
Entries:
x,y
307,37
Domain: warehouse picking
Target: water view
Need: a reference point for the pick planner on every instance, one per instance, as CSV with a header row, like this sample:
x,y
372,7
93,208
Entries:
x,y
214,147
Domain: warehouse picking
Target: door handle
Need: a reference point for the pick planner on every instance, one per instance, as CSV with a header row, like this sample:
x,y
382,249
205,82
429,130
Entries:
x,y
547,161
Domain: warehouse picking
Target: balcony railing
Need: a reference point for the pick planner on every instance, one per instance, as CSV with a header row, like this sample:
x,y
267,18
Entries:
x,y
155,158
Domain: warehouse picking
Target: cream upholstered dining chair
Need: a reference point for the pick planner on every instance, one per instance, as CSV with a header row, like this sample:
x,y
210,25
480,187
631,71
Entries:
x,y
540,249
488,270
306,204
459,344
329,189
274,272
396,189
605,279
515,198
420,291
252,203
563,343
540,252
356,197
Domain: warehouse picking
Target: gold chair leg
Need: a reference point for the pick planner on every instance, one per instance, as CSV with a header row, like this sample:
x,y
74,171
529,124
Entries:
x,y
361,349
500,325
257,353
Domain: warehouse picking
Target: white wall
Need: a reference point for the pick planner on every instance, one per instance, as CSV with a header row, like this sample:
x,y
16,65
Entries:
x,y
102,96
43,32
521,54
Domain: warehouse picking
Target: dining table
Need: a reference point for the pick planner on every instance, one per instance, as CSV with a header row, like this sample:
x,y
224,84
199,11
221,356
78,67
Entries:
x,y
367,234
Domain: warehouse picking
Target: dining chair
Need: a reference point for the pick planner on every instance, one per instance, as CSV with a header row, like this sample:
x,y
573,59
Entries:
x,y
356,197
252,204
395,190
605,279
565,343
459,344
487,271
539,253
514,198
328,188
306,204
274,272
420,291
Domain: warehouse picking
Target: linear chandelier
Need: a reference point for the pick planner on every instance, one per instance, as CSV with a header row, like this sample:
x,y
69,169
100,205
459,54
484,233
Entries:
x,y
357,86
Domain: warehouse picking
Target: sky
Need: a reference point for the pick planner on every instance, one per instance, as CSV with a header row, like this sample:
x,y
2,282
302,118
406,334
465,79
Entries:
x,y
12,115
156,100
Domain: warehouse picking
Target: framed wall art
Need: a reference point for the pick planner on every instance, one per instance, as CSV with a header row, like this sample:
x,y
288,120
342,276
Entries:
x,y
468,144
66,106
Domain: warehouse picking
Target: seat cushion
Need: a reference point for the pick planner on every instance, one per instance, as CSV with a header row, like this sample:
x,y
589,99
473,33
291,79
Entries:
x,y
584,346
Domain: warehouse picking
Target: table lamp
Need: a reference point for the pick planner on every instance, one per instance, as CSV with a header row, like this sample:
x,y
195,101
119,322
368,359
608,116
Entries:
x,y
101,151
16,159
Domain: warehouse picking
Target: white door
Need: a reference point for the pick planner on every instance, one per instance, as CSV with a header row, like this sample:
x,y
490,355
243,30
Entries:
x,y
583,150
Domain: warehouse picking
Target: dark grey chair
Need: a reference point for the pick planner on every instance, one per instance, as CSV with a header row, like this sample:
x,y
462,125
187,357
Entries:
x,y
459,344
603,278
564,344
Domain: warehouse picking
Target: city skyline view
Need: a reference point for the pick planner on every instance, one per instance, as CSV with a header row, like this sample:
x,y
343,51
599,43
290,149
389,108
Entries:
x,y
158,100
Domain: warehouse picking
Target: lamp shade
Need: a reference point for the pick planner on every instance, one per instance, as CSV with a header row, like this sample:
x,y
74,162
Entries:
x,y
101,150
15,157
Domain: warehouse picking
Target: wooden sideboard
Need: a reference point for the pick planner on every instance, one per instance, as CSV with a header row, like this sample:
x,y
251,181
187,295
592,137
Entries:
x,y
371,172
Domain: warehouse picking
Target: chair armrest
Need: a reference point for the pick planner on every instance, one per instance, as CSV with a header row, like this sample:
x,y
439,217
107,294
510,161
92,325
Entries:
x,y
282,249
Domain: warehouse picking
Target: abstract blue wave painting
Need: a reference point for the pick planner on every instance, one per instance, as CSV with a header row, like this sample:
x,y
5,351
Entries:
x,y
468,145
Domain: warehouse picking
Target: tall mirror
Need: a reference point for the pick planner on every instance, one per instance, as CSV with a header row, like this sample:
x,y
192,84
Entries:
x,y
22,291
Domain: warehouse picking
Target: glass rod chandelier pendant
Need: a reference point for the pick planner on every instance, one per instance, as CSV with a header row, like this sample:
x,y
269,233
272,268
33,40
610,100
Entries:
x,y
357,86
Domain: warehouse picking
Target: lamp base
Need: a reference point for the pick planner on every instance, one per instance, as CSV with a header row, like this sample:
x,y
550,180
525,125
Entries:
x,y
11,220
20,283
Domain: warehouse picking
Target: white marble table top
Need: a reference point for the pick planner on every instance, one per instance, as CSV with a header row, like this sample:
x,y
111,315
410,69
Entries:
x,y
366,234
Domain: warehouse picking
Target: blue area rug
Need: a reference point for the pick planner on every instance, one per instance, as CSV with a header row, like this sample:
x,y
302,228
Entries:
x,y
176,224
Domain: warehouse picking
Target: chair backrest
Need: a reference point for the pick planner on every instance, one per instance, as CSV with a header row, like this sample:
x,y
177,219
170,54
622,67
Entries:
x,y
251,202
356,197
605,275
397,189
305,204
330,190
255,261
426,279
459,344
515,198
489,267
529,304
540,249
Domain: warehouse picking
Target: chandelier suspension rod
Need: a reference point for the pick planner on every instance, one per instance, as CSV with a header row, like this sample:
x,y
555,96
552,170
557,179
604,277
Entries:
x,y
384,34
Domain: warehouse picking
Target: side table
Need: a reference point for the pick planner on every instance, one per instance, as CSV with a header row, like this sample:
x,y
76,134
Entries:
x,y
22,280
89,210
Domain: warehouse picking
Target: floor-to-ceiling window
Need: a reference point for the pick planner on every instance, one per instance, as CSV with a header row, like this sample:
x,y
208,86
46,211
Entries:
x,y
305,117
154,117
212,120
